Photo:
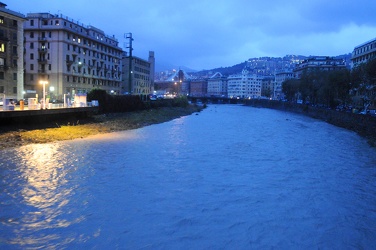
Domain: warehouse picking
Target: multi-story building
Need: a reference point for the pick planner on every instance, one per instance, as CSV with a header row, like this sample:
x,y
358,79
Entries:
x,y
267,86
217,85
363,52
11,53
244,85
198,87
280,77
323,63
140,79
74,58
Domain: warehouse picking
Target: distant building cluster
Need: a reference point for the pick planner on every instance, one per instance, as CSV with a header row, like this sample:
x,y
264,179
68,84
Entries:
x,y
258,78
72,57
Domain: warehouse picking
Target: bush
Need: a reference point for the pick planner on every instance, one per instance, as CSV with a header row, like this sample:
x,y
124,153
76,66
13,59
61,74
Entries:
x,y
115,103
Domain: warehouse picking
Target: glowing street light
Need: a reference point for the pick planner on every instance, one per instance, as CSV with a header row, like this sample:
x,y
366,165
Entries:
x,y
44,92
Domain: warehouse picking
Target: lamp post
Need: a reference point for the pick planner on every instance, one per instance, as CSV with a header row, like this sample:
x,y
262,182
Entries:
x,y
44,92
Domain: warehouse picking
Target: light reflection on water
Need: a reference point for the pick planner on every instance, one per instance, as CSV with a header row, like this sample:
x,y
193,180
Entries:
x,y
231,177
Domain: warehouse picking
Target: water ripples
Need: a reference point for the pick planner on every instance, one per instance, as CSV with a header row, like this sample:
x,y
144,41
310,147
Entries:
x,y
231,177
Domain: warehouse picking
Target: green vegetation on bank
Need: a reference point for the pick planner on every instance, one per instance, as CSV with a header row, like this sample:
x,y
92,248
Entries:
x,y
356,87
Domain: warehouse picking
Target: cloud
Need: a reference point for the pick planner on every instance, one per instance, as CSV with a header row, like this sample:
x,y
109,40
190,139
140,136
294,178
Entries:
x,y
212,33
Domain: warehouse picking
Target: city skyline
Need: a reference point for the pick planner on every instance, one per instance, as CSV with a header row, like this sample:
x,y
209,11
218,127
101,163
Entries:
x,y
209,34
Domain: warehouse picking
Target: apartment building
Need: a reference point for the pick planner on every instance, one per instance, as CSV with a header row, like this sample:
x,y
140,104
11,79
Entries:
x,y
280,77
363,52
267,86
324,63
11,53
217,85
244,85
140,79
72,57
198,87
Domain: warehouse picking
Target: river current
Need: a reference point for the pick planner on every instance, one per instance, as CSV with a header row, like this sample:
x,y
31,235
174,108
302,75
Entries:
x,y
229,177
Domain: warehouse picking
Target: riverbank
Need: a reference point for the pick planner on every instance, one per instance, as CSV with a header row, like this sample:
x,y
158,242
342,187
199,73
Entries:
x,y
97,124
364,125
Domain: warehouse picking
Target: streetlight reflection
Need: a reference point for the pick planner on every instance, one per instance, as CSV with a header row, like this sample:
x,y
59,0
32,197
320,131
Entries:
x,y
44,92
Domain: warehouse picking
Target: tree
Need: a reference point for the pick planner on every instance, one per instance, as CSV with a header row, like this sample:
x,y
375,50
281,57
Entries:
x,y
290,88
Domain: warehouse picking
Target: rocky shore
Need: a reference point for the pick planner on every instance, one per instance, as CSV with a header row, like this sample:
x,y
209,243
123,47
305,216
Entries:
x,y
98,124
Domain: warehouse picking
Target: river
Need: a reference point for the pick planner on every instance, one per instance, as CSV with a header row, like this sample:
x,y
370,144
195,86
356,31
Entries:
x,y
229,177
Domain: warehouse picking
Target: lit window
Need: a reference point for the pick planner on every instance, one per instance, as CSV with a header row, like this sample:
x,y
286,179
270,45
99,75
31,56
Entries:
x,y
2,47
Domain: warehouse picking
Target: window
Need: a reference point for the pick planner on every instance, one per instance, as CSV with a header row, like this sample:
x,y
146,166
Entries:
x,y
14,50
2,89
1,20
31,22
15,63
31,34
14,90
31,45
15,36
2,61
49,34
31,56
2,78
2,47
31,66
49,66
15,23
15,76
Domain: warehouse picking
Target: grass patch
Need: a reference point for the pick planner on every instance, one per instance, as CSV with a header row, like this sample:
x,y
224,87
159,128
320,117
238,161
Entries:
x,y
96,125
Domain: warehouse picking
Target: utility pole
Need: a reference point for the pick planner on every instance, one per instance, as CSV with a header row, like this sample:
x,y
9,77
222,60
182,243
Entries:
x,y
129,46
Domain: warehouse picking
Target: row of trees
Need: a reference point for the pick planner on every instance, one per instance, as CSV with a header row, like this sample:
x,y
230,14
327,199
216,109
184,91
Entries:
x,y
126,103
355,87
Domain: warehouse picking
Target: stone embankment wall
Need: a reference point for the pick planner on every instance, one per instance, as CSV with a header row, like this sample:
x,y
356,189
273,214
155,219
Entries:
x,y
364,125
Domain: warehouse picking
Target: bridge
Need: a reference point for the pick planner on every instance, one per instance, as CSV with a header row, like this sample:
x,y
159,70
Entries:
x,y
214,100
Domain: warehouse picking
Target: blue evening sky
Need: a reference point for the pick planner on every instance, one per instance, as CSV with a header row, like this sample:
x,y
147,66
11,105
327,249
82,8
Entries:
x,y
205,34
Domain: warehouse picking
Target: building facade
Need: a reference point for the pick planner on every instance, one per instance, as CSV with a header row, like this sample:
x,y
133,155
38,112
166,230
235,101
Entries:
x,y
140,79
267,86
322,63
217,85
244,85
280,77
363,52
72,57
11,53
198,87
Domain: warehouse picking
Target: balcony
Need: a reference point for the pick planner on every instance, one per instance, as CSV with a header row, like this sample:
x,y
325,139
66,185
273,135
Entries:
x,y
42,50
42,60
4,67
69,61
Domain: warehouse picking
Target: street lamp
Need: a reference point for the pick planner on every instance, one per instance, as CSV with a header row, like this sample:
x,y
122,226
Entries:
x,y
44,92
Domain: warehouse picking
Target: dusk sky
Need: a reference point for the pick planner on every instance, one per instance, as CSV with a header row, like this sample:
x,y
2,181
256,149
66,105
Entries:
x,y
205,34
